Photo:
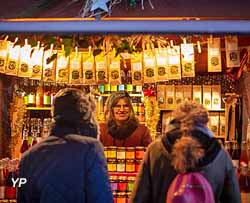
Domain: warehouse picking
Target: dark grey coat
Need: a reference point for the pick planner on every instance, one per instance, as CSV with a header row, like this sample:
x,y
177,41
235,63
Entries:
x,y
67,168
156,173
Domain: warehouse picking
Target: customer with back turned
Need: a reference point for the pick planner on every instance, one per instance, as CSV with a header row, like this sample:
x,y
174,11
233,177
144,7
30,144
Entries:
x,y
69,165
188,146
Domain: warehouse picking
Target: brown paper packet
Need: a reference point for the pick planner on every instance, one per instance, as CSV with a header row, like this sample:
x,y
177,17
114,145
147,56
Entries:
x,y
137,69
75,67
62,68
36,64
13,60
101,69
88,68
4,45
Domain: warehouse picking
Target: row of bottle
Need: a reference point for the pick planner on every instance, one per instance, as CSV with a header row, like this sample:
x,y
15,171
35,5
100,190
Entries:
x,y
8,170
34,130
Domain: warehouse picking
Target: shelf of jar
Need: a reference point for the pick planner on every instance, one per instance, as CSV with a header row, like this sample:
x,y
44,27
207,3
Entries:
x,y
122,173
38,108
215,110
130,94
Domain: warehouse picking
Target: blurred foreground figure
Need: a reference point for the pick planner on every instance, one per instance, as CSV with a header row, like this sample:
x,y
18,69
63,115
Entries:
x,y
188,146
68,166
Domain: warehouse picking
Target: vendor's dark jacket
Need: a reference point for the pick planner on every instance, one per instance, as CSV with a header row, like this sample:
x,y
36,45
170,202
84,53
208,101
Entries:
x,y
156,172
65,168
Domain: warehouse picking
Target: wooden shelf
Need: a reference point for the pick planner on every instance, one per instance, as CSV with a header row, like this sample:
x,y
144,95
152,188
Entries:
x,y
38,108
132,95
209,110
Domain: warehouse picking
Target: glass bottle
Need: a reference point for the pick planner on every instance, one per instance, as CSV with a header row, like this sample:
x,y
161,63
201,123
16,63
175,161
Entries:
x,y
228,147
39,96
235,155
244,182
244,155
25,143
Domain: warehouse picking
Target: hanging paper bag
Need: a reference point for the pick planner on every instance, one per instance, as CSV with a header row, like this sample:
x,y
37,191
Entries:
x,y
207,96
216,97
62,67
88,69
13,60
136,68
149,66
4,45
162,63
114,71
232,51
170,97
174,67
49,65
197,97
37,63
75,76
187,60
101,69
214,55
179,95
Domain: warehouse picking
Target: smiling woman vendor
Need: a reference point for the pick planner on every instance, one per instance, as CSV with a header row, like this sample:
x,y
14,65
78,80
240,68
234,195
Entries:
x,y
122,128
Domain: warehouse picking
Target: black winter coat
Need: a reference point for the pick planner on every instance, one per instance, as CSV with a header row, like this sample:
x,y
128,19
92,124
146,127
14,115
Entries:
x,y
65,168
156,172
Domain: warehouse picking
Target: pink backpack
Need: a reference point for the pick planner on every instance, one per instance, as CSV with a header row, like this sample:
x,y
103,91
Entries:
x,y
190,188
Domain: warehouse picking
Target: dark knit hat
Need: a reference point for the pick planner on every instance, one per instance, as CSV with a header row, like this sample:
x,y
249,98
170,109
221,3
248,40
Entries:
x,y
72,106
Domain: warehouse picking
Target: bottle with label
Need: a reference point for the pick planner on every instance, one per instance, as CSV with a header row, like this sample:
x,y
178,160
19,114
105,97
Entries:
x,y
25,143
228,147
244,155
235,156
244,182
39,96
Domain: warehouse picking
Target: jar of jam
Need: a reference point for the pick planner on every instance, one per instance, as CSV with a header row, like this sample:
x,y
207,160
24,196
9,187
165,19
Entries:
x,y
130,153
113,183
111,152
141,108
120,165
130,184
121,197
112,165
115,196
106,152
130,165
139,152
121,153
122,183
137,165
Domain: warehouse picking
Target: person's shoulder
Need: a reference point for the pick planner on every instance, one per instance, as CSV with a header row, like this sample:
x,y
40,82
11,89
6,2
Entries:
x,y
142,127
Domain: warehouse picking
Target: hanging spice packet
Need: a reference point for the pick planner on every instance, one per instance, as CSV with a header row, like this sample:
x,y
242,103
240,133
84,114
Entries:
x,y
214,55
187,60
161,55
207,96
174,67
49,65
88,68
187,92
4,45
24,69
216,97
114,71
179,95
101,69
232,51
62,67
13,60
136,68
75,75
197,97
37,63
170,97
149,67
